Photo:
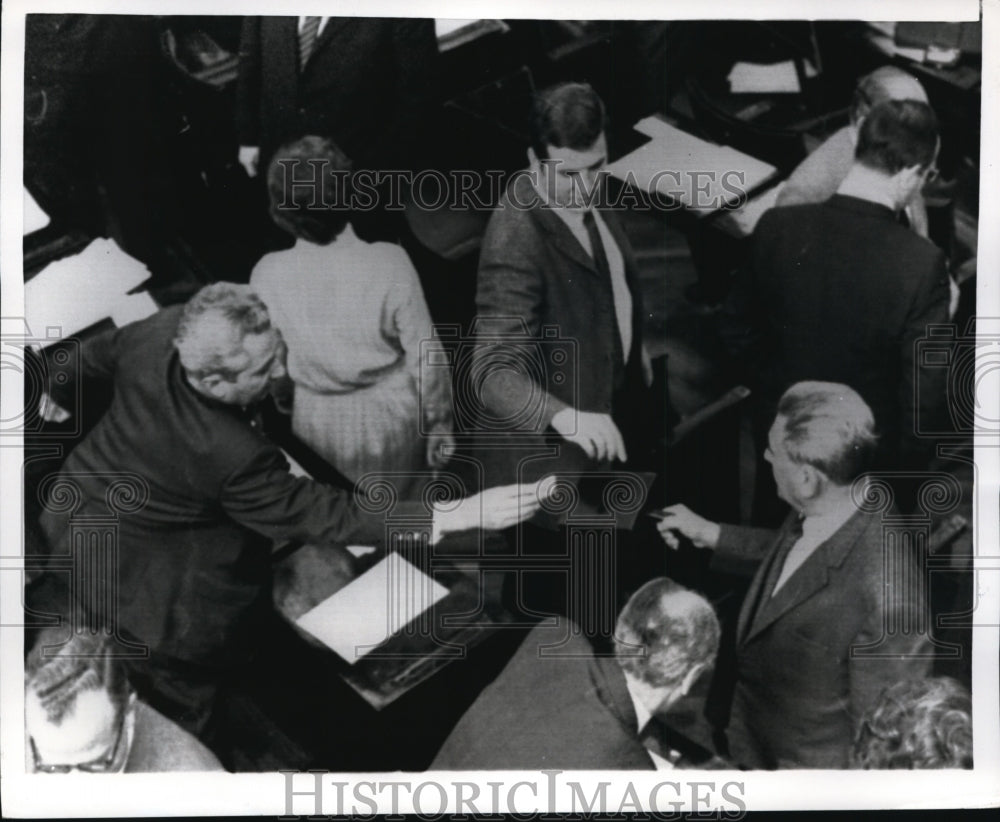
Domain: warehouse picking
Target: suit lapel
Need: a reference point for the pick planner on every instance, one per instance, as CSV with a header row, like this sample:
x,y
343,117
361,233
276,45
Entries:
x,y
763,581
811,577
563,240
609,684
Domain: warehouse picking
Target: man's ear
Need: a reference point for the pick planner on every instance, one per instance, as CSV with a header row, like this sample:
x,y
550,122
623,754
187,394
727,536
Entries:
x,y
691,677
812,480
906,180
209,383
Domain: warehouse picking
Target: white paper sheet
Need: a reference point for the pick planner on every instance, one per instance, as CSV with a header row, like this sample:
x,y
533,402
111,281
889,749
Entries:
x,y
75,292
702,175
34,217
365,613
767,78
132,308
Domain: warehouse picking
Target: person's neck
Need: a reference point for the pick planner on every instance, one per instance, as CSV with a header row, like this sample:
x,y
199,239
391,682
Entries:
x,y
835,498
868,184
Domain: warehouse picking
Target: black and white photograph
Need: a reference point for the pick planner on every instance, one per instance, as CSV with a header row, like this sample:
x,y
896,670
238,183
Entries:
x,y
451,414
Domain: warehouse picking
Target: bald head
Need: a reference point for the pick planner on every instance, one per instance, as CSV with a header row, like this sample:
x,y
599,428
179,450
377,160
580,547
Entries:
x,y
885,83
664,633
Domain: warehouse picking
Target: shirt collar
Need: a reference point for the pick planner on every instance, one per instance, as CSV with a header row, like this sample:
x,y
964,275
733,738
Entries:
x,y
642,713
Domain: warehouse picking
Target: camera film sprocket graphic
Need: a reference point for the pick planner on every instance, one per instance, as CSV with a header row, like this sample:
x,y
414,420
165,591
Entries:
x,y
972,362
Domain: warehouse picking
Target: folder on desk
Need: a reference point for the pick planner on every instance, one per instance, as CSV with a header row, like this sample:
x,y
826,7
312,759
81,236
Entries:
x,y
702,176
365,613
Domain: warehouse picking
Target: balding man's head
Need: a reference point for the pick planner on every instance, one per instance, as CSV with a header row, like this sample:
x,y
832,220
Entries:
x,y
666,636
885,83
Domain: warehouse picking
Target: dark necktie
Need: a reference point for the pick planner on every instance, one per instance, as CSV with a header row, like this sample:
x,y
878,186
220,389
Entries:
x,y
596,245
621,305
307,40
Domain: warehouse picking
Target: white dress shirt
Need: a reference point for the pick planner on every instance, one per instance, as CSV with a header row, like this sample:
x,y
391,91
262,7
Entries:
x,y
322,24
815,531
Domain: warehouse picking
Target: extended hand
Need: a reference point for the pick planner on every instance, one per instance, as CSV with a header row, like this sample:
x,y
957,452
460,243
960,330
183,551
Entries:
x,y
679,519
493,509
596,434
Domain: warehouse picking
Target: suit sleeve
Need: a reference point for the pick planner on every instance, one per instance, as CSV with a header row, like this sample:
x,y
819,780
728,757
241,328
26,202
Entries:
x,y
97,361
248,84
741,549
742,321
263,496
509,300
923,389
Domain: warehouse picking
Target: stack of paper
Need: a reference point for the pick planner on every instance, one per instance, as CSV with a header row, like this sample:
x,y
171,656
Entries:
x,y
367,612
75,292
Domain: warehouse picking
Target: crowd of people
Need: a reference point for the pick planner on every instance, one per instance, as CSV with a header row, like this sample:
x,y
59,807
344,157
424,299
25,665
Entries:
x,y
832,660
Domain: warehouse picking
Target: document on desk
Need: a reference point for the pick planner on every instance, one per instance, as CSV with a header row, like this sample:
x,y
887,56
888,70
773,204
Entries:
x,y
767,78
34,217
75,292
702,176
379,603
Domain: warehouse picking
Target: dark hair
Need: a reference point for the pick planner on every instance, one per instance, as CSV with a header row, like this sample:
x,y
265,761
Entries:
x,y
922,723
828,426
898,134
58,675
303,210
664,631
569,115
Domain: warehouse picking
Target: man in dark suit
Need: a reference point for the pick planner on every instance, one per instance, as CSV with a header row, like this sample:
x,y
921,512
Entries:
x,y
555,268
823,627
841,291
557,705
201,495
358,80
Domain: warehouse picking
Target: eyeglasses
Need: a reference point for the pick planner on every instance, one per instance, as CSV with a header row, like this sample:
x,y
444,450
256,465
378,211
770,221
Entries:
x,y
105,764
931,174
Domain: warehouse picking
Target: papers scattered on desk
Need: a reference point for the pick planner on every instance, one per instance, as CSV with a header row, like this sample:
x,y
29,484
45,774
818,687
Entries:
x,y
76,292
767,78
702,176
34,217
379,603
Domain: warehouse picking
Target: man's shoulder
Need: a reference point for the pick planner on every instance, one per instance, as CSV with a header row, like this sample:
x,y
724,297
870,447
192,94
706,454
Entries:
x,y
160,745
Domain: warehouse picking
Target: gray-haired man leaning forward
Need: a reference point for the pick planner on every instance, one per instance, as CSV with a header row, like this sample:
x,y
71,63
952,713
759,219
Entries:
x,y
822,628
213,493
